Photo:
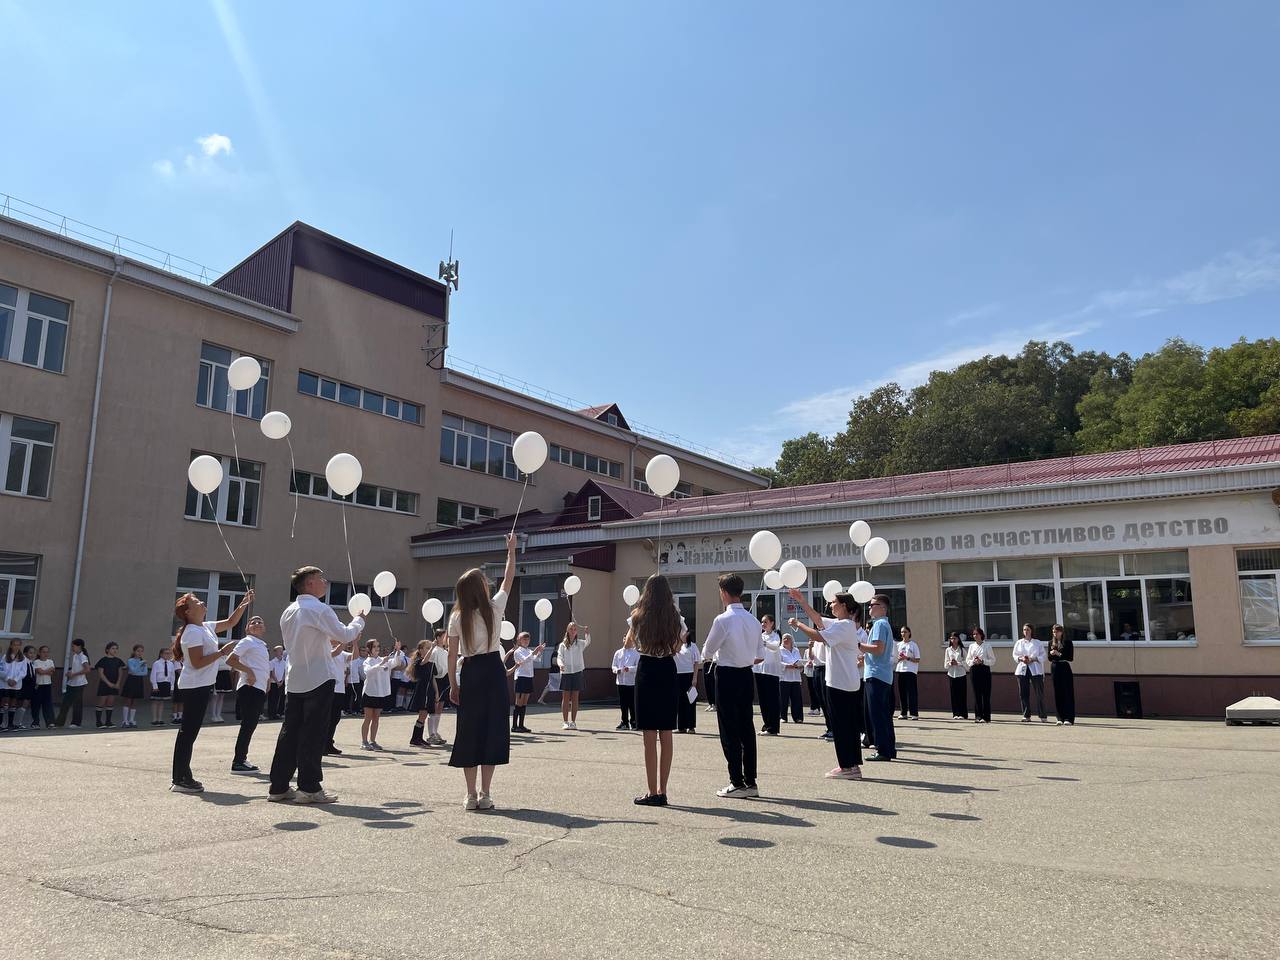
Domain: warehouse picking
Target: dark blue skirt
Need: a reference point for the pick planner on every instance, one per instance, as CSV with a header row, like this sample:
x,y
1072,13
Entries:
x,y
483,737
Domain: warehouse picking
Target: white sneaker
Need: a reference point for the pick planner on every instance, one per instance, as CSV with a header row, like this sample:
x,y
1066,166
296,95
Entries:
x,y
471,803
565,726
289,794
484,802
735,793
573,724
318,797
710,709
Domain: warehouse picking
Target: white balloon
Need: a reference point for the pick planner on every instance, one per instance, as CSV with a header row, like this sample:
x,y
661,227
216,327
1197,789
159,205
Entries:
x,y
860,532
359,604
529,451
432,610
765,549
662,474
542,609
276,425
572,584
343,472
773,580
862,591
794,574
507,631
876,551
384,584
631,595
830,589
244,373
205,473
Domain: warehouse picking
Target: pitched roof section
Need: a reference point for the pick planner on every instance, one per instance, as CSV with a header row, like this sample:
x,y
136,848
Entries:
x,y
266,275
1181,458
602,412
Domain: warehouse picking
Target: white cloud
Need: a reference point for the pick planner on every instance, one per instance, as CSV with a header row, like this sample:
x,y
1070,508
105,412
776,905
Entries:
x,y
164,169
214,144
974,313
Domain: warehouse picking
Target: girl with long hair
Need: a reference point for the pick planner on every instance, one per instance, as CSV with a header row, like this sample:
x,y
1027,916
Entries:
x,y
688,659
569,655
956,665
377,695
907,667
421,671
482,740
440,665
15,668
1061,653
659,632
196,644
981,658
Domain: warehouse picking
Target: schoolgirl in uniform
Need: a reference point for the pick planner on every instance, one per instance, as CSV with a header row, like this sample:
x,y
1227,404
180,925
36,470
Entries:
x,y
688,661
658,631
440,670
110,680
135,682
377,695
164,676
421,671
525,661
569,655
15,669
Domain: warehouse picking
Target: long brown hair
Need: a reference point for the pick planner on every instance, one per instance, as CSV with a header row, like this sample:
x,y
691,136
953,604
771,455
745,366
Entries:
x,y
419,656
655,622
472,591
180,614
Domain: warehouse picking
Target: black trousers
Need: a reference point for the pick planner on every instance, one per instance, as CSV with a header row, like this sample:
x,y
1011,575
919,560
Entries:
x,y
814,696
737,723
1064,692
300,746
275,701
335,714
959,698
846,723
820,681
1026,684
627,703
249,706
980,674
879,697
709,682
686,712
767,692
354,692
42,705
195,700
73,703
908,694
789,695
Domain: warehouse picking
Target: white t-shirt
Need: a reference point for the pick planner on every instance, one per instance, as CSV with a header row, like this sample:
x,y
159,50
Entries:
x,y
841,638
78,662
525,661
771,666
198,636
253,653
355,669
687,658
43,680
481,642
338,667
789,657
911,650
625,662
440,660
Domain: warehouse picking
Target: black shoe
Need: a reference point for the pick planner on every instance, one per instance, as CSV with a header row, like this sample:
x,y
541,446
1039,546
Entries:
x,y
189,785
651,800
879,756
241,767
333,752
174,720
157,723
622,726
419,742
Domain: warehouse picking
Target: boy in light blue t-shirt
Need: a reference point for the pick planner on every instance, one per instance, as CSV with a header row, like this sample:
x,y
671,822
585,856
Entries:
x,y
877,674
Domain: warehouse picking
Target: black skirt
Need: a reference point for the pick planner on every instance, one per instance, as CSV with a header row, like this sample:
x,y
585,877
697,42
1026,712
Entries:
x,y
482,737
162,691
424,692
377,703
656,692
225,681
133,688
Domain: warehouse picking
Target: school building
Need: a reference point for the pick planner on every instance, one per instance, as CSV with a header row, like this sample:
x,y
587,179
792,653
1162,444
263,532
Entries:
x,y
113,377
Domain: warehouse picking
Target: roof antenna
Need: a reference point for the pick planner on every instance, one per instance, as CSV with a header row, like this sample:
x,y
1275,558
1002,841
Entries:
x,y
449,268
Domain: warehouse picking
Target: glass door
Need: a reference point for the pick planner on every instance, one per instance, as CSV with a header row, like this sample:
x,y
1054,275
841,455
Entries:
x,y
540,631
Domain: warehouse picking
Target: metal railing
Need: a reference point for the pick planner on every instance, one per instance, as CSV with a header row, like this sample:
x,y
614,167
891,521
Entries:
x,y
15,208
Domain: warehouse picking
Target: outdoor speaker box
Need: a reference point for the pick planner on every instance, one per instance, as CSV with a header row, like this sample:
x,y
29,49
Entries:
x,y
1128,699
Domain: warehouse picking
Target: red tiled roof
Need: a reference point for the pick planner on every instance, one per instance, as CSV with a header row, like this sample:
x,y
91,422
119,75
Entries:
x,y
529,521
1206,455
594,412
633,501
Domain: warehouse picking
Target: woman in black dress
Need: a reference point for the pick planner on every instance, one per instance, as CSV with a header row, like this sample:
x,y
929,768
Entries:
x,y
1061,653
423,702
482,739
110,679
659,632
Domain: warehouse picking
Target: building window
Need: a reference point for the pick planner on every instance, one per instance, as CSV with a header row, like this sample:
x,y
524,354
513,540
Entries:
x,y
478,446
611,419
29,462
1129,598
221,591
213,391
33,328
314,385
307,484
446,598
450,513
18,576
593,508
340,592
236,500
682,491
585,461
1259,573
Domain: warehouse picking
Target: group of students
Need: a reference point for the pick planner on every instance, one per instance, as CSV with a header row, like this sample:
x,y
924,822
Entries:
x,y
1030,657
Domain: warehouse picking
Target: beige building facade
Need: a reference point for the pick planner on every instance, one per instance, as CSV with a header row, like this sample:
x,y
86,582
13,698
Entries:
x,y
113,377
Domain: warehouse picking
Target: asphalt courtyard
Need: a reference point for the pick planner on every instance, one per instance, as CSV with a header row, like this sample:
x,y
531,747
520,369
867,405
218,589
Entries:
x,y
1110,839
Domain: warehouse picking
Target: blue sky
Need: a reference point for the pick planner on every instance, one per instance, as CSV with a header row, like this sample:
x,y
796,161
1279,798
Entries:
x,y
728,217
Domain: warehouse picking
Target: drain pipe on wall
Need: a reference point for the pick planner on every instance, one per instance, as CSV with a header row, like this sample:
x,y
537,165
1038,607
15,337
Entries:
x,y
88,474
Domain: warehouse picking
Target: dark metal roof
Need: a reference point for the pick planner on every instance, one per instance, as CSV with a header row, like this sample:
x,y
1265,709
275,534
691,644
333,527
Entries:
x,y
599,413
266,275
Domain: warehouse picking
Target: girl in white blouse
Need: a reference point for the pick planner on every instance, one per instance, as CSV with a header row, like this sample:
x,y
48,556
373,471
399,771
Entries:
x,y
164,676
907,666
377,696
688,661
981,658
570,657
956,664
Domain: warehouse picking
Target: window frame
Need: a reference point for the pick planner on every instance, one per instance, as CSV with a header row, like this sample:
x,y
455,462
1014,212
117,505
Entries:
x,y
7,442
462,435
255,400
221,498
311,486
363,398
1271,573
19,329
11,581
213,594
595,507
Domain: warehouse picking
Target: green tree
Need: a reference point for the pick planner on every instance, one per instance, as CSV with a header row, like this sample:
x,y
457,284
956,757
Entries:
x,y
865,447
1166,401
1243,382
807,459
1098,429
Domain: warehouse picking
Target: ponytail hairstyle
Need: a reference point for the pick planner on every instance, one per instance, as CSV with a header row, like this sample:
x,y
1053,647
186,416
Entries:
x,y
180,614
419,656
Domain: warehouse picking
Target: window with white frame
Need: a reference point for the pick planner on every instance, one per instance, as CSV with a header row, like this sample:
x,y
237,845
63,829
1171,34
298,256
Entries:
x,y
1259,575
308,484
236,500
18,576
340,592
477,446
593,508
682,491
28,445
213,391
33,328
221,591
585,461
348,394
1098,598
451,513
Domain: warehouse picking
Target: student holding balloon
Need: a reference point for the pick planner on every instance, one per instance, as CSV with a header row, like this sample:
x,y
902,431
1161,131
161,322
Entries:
x,y
569,655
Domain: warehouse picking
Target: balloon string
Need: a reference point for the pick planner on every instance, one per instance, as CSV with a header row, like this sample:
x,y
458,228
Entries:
x,y
293,482
347,543
516,518
388,619
658,553
231,409
213,507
